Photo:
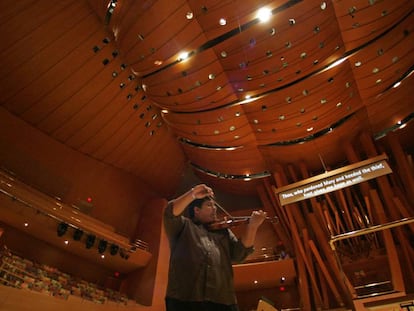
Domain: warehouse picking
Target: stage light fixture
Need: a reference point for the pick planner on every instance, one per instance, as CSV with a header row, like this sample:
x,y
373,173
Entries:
x,y
102,246
77,235
123,254
90,241
114,249
62,228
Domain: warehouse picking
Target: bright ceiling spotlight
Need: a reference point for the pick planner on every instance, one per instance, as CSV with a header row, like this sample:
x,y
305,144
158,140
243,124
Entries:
x,y
183,56
264,14
397,84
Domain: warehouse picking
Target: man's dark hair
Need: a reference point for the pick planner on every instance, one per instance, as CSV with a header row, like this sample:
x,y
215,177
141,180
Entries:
x,y
195,203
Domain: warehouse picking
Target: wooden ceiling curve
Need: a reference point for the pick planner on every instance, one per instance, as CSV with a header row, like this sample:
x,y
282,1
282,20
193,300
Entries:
x,y
63,74
106,78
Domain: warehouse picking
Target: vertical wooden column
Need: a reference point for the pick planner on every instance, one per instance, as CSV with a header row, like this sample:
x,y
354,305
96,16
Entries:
x,y
353,157
382,181
395,268
316,291
325,278
303,260
404,170
390,210
347,290
280,180
140,284
272,208
326,274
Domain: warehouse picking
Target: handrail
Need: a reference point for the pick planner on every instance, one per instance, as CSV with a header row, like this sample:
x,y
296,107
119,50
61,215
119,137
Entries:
x,y
363,231
372,284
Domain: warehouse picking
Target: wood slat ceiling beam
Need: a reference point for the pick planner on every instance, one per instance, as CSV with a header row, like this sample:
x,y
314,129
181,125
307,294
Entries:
x,y
96,76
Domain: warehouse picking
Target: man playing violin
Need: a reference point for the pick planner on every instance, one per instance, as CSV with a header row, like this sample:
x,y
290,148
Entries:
x,y
200,273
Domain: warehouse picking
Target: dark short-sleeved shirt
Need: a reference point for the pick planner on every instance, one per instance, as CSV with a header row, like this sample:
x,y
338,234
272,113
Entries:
x,y
201,260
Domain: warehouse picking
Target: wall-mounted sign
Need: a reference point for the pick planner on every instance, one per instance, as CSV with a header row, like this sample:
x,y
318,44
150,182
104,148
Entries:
x,y
337,179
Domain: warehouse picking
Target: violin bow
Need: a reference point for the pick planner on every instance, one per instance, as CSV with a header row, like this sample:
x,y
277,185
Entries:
x,y
221,208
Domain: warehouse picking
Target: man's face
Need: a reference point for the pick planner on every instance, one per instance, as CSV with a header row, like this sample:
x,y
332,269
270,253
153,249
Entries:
x,y
206,213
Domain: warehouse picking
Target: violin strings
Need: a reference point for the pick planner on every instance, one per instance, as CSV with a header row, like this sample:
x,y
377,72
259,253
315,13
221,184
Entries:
x,y
274,219
221,208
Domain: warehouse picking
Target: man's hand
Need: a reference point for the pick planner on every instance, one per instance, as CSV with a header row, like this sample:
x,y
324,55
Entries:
x,y
201,191
257,218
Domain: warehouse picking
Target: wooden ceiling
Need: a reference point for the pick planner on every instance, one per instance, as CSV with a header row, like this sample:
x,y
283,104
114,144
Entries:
x,y
106,79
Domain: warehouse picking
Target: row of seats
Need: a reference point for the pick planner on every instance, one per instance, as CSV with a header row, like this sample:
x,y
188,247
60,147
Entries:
x,y
25,274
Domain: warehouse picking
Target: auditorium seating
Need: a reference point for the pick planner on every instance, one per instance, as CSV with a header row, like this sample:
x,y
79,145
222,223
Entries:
x,y
22,273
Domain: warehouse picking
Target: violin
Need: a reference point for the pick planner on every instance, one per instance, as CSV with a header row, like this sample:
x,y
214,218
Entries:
x,y
235,221
231,221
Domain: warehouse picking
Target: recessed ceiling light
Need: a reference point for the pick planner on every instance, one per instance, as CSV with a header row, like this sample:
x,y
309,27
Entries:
x,y
183,56
264,14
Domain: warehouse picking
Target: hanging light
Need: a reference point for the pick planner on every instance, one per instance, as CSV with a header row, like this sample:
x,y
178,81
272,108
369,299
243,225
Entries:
x,y
62,228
